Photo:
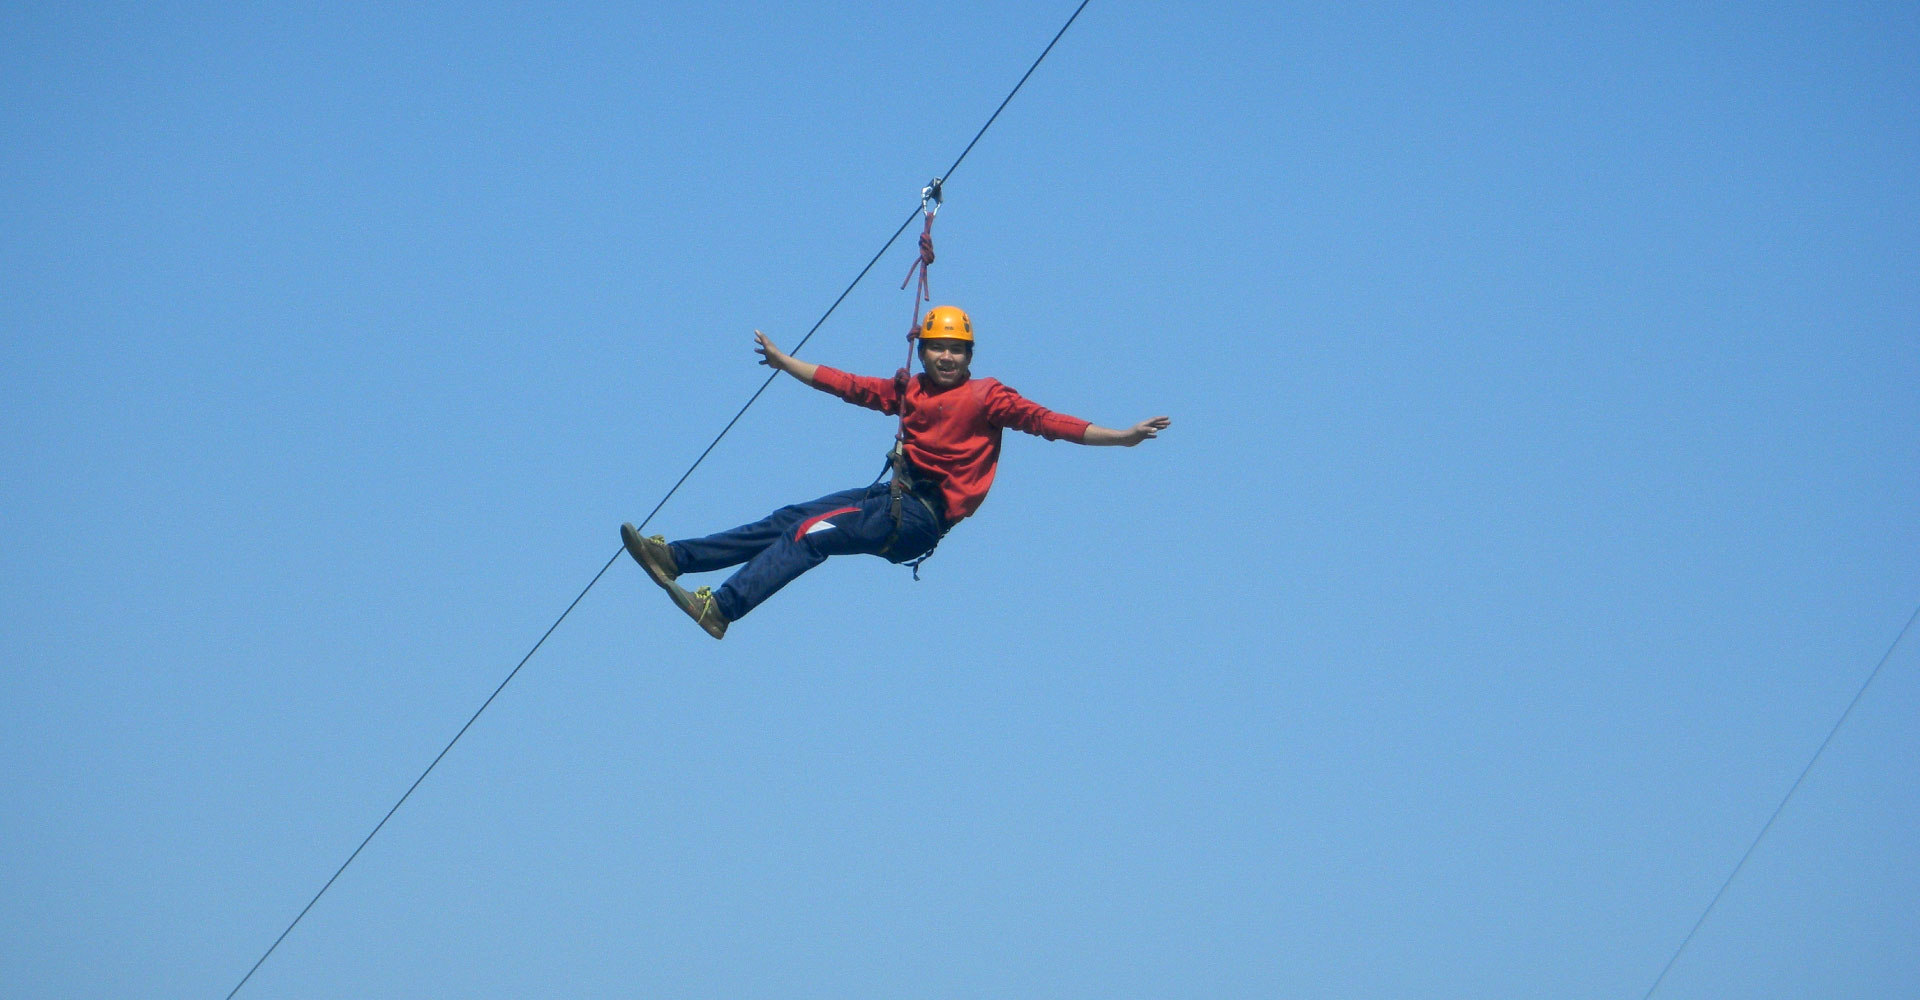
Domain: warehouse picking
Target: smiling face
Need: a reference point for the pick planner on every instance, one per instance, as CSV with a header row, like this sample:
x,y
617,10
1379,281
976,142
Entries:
x,y
946,361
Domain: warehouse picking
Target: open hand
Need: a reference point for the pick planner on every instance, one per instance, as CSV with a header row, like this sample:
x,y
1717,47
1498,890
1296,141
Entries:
x,y
1128,437
1145,429
770,355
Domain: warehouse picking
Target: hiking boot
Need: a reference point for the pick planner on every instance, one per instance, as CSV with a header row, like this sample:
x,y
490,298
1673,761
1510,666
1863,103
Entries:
x,y
699,606
652,554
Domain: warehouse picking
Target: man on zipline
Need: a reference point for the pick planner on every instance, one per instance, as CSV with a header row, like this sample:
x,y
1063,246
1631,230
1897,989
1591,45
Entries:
x,y
942,468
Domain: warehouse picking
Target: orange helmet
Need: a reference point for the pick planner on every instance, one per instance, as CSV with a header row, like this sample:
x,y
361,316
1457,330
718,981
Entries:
x,y
947,323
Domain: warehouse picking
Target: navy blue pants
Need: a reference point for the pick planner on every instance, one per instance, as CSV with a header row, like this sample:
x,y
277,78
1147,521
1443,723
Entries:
x,y
786,543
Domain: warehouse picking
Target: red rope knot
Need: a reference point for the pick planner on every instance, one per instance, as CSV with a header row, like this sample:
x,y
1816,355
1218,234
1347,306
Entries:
x,y
920,263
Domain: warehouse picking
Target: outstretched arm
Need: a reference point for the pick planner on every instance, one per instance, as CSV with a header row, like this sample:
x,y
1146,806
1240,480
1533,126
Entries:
x,y
779,360
1126,438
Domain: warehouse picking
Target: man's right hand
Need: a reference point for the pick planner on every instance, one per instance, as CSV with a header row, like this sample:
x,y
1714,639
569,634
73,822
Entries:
x,y
778,360
770,355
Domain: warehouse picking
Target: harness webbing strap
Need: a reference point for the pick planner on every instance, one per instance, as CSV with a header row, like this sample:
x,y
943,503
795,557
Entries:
x,y
905,484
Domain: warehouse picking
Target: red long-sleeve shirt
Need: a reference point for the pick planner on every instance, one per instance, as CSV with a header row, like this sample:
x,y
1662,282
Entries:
x,y
955,433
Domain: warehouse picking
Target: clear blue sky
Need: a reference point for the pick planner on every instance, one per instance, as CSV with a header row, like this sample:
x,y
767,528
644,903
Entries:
x,y
1542,484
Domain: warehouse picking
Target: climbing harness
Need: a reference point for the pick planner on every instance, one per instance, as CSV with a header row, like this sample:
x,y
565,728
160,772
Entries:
x,y
908,482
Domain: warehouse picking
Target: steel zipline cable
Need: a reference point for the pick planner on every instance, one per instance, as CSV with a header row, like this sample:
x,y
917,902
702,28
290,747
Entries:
x,y
1777,810
650,515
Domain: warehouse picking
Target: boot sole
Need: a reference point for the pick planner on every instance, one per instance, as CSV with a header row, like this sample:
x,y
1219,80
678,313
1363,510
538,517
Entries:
x,y
689,603
636,547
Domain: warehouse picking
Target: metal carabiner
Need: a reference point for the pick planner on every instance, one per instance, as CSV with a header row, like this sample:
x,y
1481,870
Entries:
x,y
930,195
